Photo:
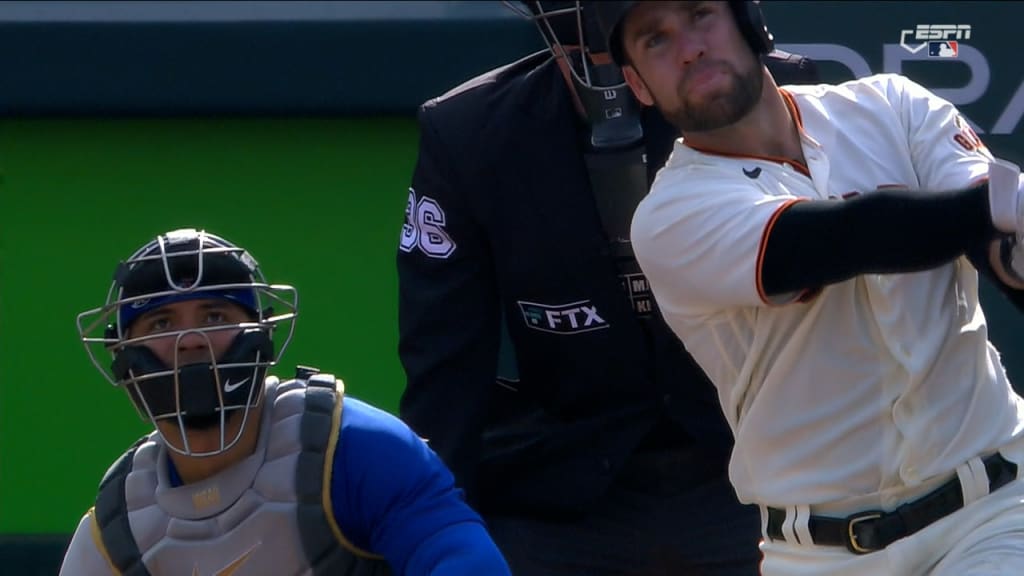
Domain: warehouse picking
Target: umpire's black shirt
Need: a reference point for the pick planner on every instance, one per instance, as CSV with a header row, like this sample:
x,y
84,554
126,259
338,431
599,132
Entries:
x,y
502,229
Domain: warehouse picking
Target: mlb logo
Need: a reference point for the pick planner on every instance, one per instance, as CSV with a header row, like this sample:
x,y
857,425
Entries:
x,y
944,49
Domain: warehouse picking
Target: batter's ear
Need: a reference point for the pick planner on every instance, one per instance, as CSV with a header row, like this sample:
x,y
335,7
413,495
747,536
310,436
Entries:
x,y
637,85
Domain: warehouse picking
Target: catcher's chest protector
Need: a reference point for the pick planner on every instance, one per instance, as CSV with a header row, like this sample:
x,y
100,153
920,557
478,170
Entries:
x,y
266,515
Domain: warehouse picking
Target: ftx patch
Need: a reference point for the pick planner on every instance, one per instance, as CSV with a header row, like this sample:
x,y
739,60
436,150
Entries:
x,y
571,318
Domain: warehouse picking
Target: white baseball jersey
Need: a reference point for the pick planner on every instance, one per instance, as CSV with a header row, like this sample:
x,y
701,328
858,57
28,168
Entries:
x,y
869,386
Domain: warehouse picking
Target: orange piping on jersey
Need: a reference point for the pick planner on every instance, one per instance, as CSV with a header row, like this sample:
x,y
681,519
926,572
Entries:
x,y
793,109
764,244
795,112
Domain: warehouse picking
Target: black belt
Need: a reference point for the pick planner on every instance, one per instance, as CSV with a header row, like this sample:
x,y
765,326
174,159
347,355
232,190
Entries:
x,y
874,530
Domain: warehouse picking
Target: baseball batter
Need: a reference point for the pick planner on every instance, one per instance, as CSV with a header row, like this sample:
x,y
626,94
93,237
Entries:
x,y
245,474
817,250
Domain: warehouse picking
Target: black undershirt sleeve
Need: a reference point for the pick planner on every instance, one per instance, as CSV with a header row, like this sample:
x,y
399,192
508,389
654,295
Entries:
x,y
816,243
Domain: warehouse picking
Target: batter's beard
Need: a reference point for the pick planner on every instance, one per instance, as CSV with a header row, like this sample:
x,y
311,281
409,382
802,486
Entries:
x,y
720,110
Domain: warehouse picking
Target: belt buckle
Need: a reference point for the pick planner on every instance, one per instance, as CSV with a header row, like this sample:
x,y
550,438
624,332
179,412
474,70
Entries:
x,y
851,538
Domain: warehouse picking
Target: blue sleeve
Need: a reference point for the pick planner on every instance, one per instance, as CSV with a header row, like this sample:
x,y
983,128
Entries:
x,y
394,497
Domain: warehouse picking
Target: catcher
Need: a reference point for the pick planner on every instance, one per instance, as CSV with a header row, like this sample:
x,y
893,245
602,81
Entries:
x,y
246,474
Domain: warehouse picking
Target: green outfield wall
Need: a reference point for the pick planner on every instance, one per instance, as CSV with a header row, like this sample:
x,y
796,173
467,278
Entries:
x,y
319,202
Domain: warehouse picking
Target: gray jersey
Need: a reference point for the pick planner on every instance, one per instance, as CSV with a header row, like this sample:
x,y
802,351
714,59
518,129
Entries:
x,y
268,514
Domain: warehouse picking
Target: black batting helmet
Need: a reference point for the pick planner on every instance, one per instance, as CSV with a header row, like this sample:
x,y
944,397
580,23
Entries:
x,y
747,13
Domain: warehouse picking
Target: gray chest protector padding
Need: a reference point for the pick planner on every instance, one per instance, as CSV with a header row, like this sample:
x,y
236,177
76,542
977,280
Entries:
x,y
271,511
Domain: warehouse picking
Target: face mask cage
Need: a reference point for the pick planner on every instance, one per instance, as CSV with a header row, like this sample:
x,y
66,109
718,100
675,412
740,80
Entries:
x,y
570,31
199,393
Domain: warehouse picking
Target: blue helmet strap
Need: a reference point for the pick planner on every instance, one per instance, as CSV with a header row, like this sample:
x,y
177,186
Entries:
x,y
128,313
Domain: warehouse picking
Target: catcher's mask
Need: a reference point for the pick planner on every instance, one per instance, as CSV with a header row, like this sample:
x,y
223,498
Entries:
x,y
177,266
747,13
571,30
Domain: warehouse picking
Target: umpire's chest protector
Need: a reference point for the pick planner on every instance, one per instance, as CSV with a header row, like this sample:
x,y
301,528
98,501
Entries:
x,y
269,514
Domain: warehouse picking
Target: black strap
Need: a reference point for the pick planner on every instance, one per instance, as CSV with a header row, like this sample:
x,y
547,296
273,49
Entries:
x,y
618,182
318,541
112,517
327,555
874,530
304,372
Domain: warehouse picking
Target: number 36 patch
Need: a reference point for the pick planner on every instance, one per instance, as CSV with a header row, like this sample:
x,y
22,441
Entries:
x,y
424,228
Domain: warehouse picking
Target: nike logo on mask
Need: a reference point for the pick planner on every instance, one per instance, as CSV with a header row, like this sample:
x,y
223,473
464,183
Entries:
x,y
229,387
752,174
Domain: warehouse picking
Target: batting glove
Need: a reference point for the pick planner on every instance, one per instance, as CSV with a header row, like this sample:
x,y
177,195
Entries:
x,y
1005,188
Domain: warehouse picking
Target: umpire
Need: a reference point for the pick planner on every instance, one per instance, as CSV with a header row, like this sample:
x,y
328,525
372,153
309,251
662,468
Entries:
x,y
537,363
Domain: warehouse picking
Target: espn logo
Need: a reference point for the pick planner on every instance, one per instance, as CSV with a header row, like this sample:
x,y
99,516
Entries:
x,y
942,40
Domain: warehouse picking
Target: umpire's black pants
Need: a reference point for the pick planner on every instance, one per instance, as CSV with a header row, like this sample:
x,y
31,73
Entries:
x,y
657,520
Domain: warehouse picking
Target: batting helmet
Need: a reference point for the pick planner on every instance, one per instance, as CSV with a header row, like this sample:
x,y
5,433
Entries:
x,y
747,13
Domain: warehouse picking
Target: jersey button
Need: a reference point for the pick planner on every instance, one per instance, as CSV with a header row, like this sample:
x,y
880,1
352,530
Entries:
x,y
606,465
666,399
